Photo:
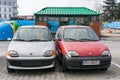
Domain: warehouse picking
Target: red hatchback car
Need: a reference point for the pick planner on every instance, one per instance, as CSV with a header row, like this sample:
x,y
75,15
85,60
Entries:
x,y
78,47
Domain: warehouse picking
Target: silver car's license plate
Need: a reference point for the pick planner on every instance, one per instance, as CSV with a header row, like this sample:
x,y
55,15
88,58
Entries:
x,y
91,62
27,63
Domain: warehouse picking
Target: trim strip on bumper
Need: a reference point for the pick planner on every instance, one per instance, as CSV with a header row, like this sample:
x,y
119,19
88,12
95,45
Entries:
x,y
28,68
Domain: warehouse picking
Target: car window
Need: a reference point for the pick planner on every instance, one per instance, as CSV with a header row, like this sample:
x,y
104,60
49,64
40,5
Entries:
x,y
59,34
79,34
32,34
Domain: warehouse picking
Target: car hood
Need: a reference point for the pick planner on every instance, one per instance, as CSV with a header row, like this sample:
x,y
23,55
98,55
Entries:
x,y
86,48
28,49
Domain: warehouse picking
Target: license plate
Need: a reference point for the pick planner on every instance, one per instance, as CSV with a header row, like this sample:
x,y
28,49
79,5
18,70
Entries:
x,y
27,63
30,63
93,62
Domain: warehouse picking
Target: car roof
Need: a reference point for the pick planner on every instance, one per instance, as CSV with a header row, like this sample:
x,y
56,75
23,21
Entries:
x,y
33,26
75,26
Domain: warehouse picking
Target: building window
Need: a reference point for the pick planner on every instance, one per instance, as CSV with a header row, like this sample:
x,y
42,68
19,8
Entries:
x,y
9,15
9,9
9,3
4,2
14,3
57,19
64,19
0,2
50,18
93,18
4,9
53,18
0,9
4,15
45,19
71,18
40,18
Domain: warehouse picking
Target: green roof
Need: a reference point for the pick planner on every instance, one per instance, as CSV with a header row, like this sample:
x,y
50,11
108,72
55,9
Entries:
x,y
66,11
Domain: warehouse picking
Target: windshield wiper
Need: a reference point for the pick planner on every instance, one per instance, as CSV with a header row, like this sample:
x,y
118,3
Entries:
x,y
38,40
70,39
86,39
19,40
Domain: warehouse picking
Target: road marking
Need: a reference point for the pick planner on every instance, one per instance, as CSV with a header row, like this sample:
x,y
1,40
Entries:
x,y
116,64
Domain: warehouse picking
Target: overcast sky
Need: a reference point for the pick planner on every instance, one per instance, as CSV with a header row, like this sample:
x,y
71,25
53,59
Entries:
x,y
29,7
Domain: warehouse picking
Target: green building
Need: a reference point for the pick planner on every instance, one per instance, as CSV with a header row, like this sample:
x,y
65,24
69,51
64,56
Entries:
x,y
54,17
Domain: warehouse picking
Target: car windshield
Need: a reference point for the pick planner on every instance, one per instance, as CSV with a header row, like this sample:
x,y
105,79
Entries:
x,y
32,34
80,34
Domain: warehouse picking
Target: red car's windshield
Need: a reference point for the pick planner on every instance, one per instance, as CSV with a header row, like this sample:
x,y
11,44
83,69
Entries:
x,y
80,34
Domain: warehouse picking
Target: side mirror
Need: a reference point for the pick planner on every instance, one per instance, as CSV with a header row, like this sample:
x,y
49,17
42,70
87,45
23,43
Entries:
x,y
53,39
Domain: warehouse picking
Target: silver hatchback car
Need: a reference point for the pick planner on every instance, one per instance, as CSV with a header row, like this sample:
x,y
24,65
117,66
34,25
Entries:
x,y
31,48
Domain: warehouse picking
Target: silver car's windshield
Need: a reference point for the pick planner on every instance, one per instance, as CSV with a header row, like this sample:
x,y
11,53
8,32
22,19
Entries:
x,y
32,34
80,34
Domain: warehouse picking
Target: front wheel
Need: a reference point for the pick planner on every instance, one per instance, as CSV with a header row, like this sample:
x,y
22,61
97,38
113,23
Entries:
x,y
10,70
64,67
104,69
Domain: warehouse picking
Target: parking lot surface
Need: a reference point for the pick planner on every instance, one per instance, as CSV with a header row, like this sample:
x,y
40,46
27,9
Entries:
x,y
113,73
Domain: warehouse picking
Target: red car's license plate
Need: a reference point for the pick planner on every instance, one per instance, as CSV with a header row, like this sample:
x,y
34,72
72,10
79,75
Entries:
x,y
91,62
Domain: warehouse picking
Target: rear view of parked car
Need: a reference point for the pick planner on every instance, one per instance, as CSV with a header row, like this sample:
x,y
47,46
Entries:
x,y
78,47
31,48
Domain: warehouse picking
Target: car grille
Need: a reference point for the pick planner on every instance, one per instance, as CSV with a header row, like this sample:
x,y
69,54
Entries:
x,y
31,63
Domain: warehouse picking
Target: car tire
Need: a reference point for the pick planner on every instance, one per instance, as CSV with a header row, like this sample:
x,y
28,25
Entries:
x,y
64,67
104,69
10,70
52,69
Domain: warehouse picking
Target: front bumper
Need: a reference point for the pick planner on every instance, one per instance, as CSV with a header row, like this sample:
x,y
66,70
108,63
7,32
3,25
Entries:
x,y
77,62
30,62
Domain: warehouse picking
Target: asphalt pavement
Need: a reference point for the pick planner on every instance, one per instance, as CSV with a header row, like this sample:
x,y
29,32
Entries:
x,y
113,73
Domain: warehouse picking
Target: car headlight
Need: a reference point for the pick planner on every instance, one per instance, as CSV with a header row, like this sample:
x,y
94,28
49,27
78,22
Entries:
x,y
13,54
73,54
49,53
106,53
